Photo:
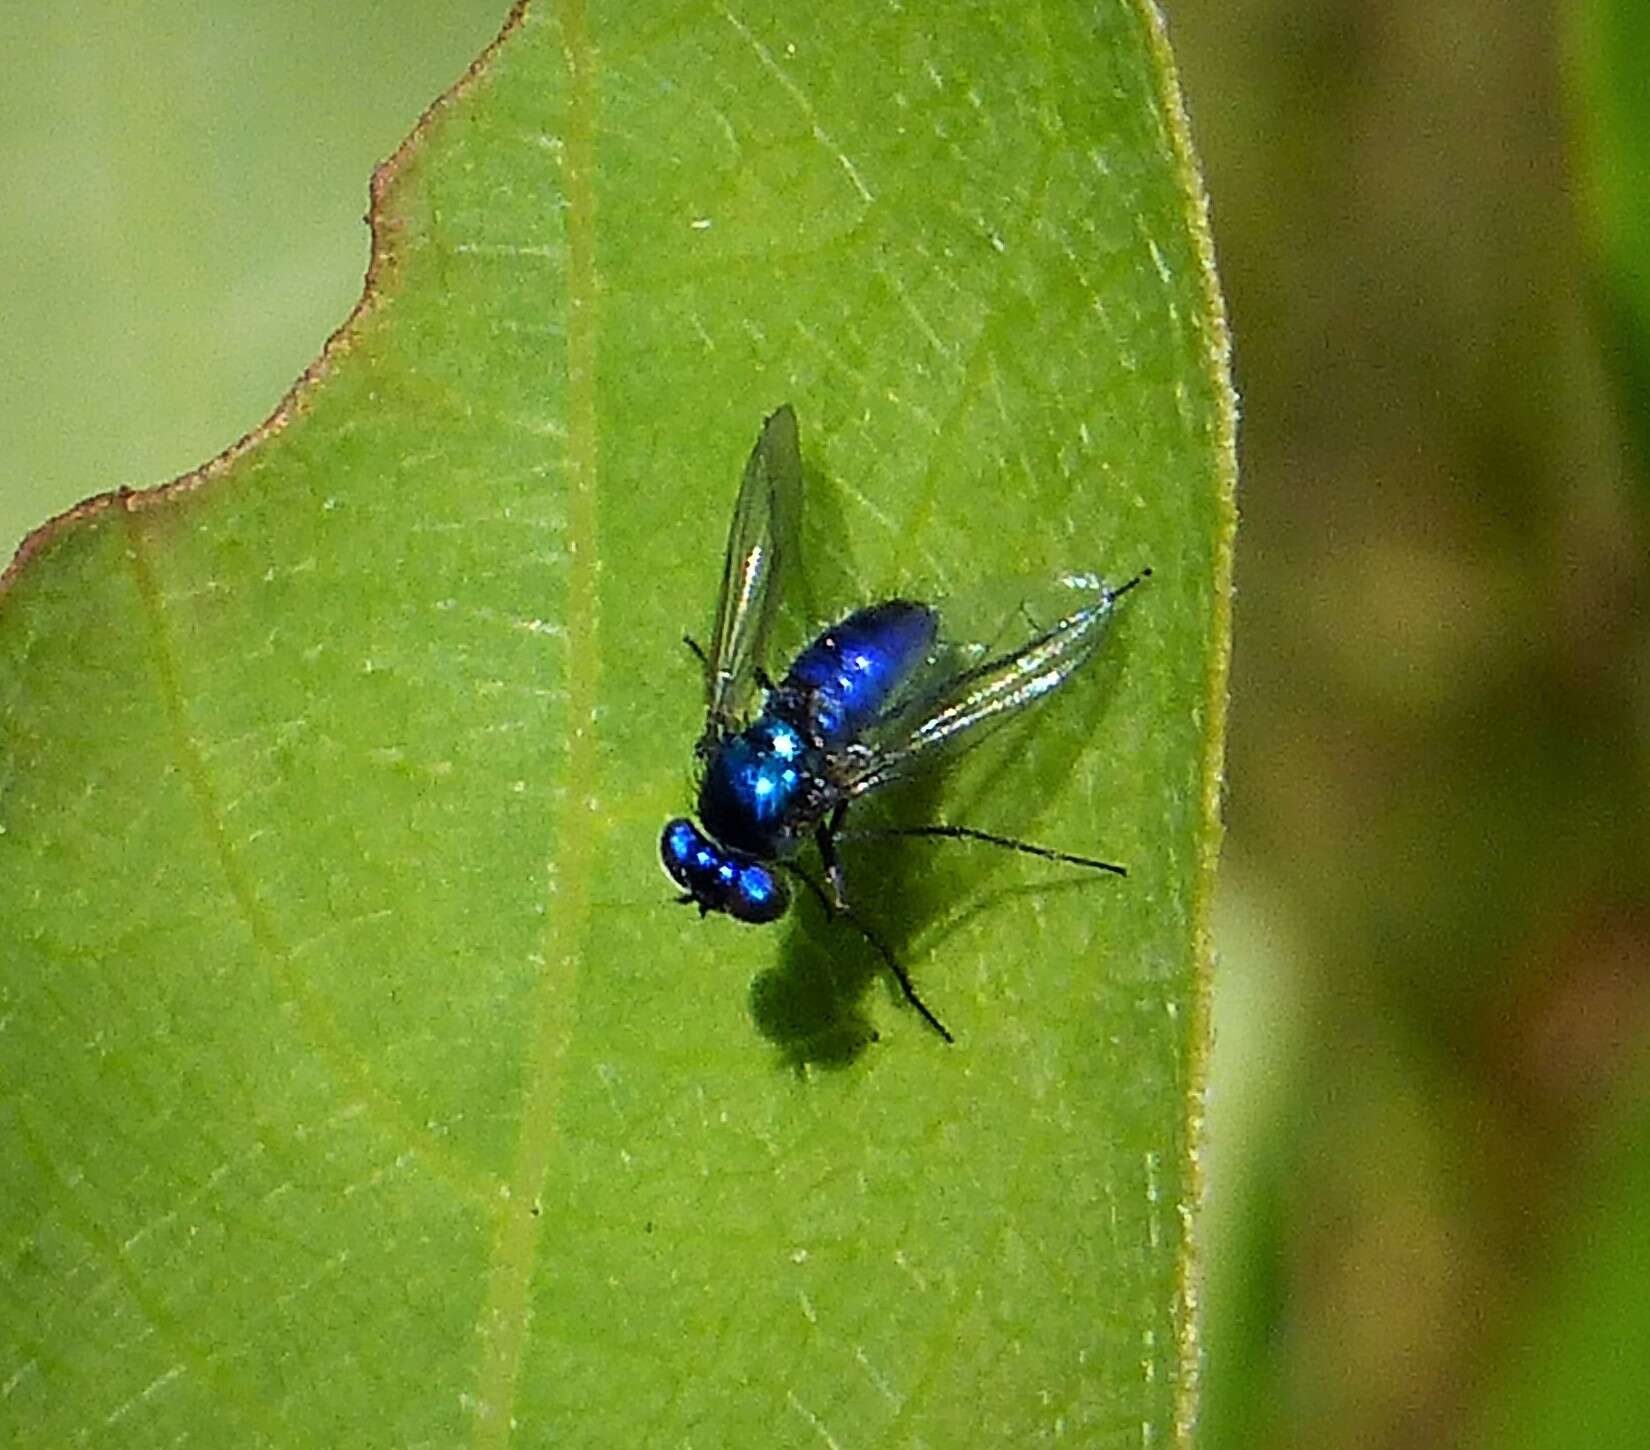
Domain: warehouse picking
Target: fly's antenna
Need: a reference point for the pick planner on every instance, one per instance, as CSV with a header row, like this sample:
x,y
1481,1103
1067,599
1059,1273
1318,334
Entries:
x,y
882,949
967,833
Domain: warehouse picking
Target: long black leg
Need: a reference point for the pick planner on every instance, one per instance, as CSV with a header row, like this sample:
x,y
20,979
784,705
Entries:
x,y
966,833
759,674
712,735
826,837
882,948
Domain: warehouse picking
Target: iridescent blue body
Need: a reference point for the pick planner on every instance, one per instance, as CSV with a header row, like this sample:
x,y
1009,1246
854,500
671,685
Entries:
x,y
767,788
848,676
719,880
865,703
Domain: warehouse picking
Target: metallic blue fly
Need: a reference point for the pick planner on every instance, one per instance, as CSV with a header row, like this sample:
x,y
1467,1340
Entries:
x,y
864,705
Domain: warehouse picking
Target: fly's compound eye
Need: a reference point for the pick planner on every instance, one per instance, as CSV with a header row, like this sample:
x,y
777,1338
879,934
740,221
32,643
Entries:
x,y
719,880
758,895
685,854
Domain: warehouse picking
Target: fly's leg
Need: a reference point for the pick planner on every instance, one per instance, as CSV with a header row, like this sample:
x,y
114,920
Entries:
x,y
901,976
826,836
968,833
883,950
705,746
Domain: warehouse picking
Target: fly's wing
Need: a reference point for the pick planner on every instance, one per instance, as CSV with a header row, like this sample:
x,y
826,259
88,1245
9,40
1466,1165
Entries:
x,y
760,539
960,710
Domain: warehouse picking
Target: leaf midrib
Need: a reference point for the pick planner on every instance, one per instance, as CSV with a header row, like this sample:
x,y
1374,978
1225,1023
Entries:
x,y
569,861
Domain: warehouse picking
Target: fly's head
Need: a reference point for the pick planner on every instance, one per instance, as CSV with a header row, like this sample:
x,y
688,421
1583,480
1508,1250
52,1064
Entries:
x,y
715,879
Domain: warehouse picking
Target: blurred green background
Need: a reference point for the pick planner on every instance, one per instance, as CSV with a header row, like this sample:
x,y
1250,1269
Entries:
x,y
1429,1127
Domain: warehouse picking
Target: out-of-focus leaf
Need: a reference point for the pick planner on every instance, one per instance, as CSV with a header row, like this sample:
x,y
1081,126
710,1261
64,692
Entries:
x,y
1574,1373
1612,117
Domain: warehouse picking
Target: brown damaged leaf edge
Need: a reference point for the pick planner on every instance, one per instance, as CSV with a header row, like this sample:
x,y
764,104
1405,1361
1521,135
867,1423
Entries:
x,y
381,269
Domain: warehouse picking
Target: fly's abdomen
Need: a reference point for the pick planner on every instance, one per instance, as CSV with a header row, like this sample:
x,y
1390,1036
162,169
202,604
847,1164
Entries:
x,y
846,677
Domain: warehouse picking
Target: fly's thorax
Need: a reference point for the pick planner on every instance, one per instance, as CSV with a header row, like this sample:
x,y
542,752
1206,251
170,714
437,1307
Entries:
x,y
761,788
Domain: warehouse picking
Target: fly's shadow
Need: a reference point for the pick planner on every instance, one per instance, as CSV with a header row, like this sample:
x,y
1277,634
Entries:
x,y
847,752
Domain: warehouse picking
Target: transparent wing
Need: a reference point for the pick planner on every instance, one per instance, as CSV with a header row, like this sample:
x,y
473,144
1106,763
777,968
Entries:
x,y
960,710
760,539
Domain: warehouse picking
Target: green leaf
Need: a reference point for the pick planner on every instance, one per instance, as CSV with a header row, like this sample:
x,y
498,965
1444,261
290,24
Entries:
x,y
362,1085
